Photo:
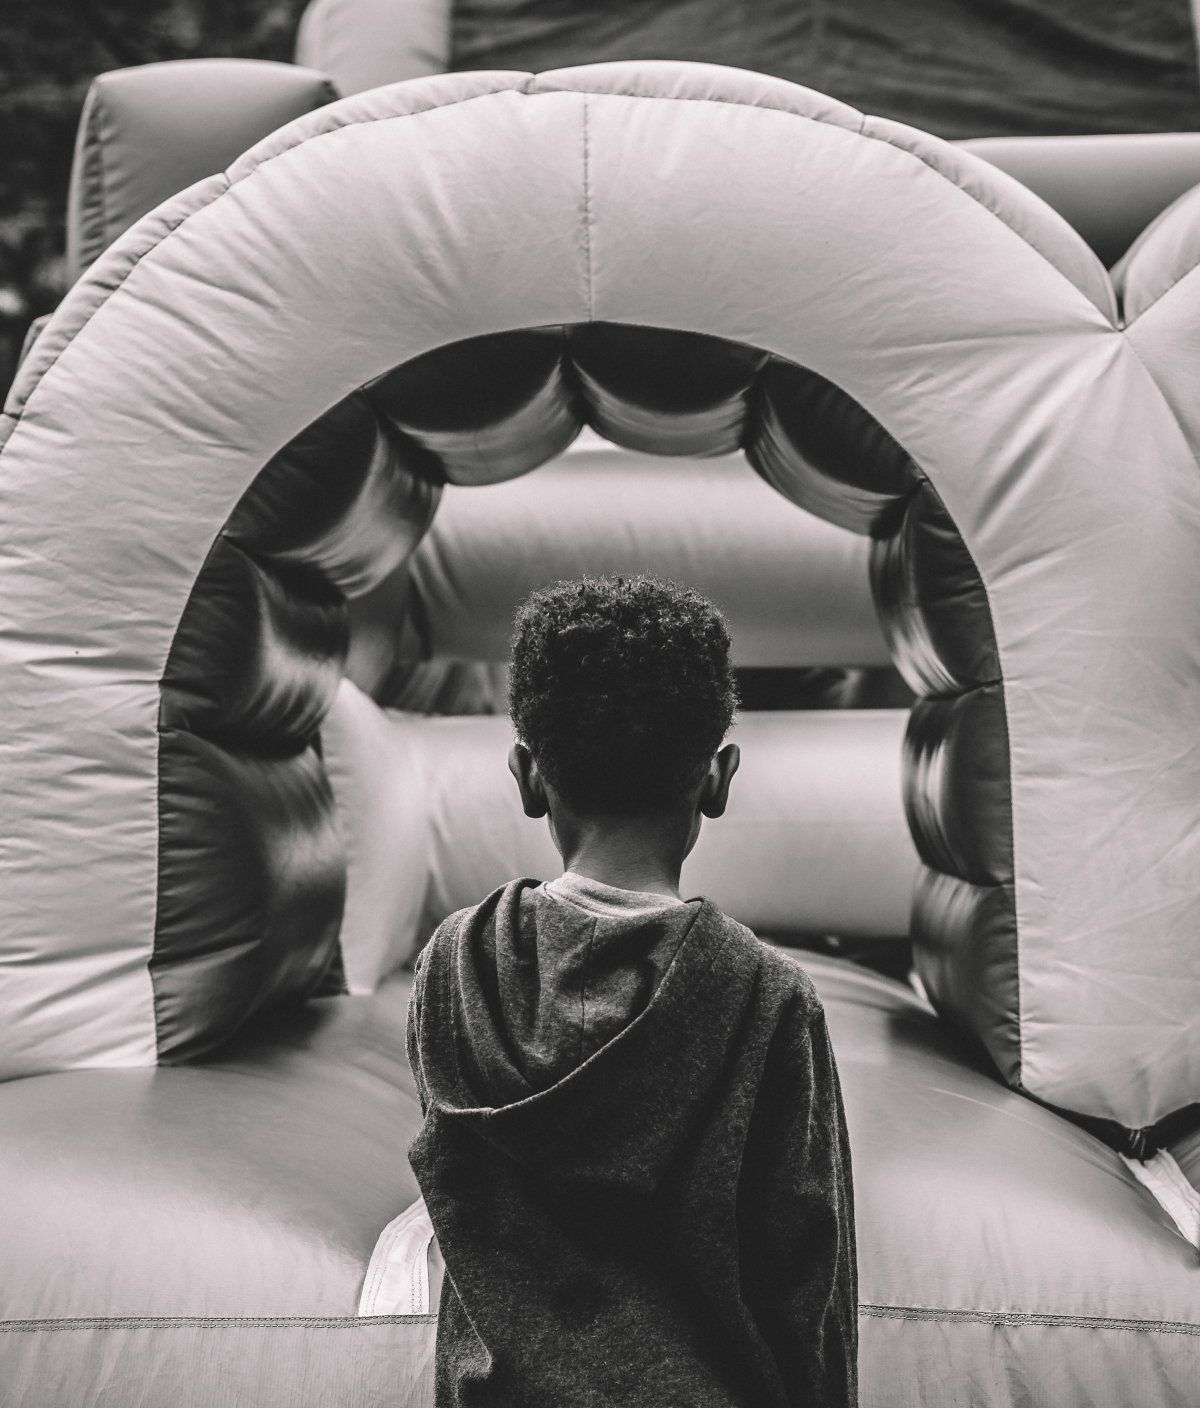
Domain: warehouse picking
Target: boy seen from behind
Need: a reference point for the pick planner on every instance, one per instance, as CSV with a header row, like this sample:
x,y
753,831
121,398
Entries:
x,y
634,1153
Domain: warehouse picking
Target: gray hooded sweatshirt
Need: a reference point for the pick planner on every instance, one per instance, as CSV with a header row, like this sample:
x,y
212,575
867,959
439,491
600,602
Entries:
x,y
634,1156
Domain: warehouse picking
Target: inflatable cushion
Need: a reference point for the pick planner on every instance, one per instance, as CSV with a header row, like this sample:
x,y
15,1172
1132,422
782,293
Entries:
x,y
1006,1258
1109,187
200,1236
148,132
813,842
795,589
365,43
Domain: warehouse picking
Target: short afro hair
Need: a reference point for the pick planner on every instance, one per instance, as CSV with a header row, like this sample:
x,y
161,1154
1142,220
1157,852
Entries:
x,y
622,688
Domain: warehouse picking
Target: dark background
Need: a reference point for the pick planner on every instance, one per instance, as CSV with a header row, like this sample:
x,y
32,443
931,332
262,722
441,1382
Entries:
x,y
959,68
50,50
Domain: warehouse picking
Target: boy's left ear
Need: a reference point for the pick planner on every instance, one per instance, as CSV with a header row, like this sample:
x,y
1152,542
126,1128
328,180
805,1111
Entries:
x,y
521,764
714,795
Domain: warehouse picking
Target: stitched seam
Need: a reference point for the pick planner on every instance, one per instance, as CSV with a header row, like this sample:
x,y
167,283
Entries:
x,y
377,1269
213,1322
859,132
1021,1317
587,213
684,98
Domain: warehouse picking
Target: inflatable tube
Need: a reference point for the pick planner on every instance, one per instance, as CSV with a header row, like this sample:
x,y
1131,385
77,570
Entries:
x,y
979,404
813,842
1109,188
364,44
795,589
149,131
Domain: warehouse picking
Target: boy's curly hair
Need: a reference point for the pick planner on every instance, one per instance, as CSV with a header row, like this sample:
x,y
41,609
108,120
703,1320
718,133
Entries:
x,y
622,689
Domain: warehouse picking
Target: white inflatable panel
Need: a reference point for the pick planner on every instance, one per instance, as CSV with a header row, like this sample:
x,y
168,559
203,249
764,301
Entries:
x,y
960,311
814,839
795,588
1110,187
374,769
362,44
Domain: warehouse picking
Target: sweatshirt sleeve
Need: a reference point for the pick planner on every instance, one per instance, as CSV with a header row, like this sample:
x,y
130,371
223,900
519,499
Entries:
x,y
796,1215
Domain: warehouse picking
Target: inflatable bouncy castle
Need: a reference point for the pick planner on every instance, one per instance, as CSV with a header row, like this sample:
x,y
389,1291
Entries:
x,y
293,445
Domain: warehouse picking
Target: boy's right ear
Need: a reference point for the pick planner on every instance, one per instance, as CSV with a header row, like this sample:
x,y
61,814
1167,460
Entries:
x,y
521,764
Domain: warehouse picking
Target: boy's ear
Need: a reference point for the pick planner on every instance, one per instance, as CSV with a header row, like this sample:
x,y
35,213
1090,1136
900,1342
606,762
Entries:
x,y
521,764
715,793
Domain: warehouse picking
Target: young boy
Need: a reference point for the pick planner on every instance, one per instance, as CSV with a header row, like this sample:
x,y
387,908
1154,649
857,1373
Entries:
x,y
634,1153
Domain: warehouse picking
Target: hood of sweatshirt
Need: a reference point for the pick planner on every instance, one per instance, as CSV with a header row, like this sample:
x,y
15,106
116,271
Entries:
x,y
582,1043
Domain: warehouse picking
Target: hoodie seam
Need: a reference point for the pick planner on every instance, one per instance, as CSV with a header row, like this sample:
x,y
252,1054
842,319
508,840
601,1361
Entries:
x,y
587,965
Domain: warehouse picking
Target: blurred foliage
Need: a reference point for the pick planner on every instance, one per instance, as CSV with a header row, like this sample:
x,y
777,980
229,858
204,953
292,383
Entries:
x,y
50,50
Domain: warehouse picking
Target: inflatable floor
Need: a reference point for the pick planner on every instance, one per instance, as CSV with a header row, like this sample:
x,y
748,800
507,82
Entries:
x,y
1005,1257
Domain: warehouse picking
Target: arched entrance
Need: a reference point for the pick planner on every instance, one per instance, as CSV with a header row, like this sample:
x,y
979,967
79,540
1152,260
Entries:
x,y
910,344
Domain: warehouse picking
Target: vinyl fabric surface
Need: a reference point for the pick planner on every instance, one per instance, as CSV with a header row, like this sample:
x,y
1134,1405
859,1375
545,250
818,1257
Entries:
x,y
147,132
794,588
200,1236
877,291
1006,1258
814,840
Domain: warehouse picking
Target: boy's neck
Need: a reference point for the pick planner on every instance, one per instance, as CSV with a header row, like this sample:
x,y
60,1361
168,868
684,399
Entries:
x,y
642,853
630,853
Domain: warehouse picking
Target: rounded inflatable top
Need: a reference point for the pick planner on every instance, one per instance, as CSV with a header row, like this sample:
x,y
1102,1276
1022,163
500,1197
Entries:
x,y
168,459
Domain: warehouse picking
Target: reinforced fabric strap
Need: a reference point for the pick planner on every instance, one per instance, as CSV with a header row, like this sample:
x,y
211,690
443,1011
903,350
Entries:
x,y
398,1277
1176,1196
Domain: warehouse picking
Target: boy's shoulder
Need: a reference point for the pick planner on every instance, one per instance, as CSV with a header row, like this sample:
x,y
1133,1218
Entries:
x,y
782,982
445,931
453,924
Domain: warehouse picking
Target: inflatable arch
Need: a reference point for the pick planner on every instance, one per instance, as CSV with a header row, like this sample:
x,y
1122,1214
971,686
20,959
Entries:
x,y
241,416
